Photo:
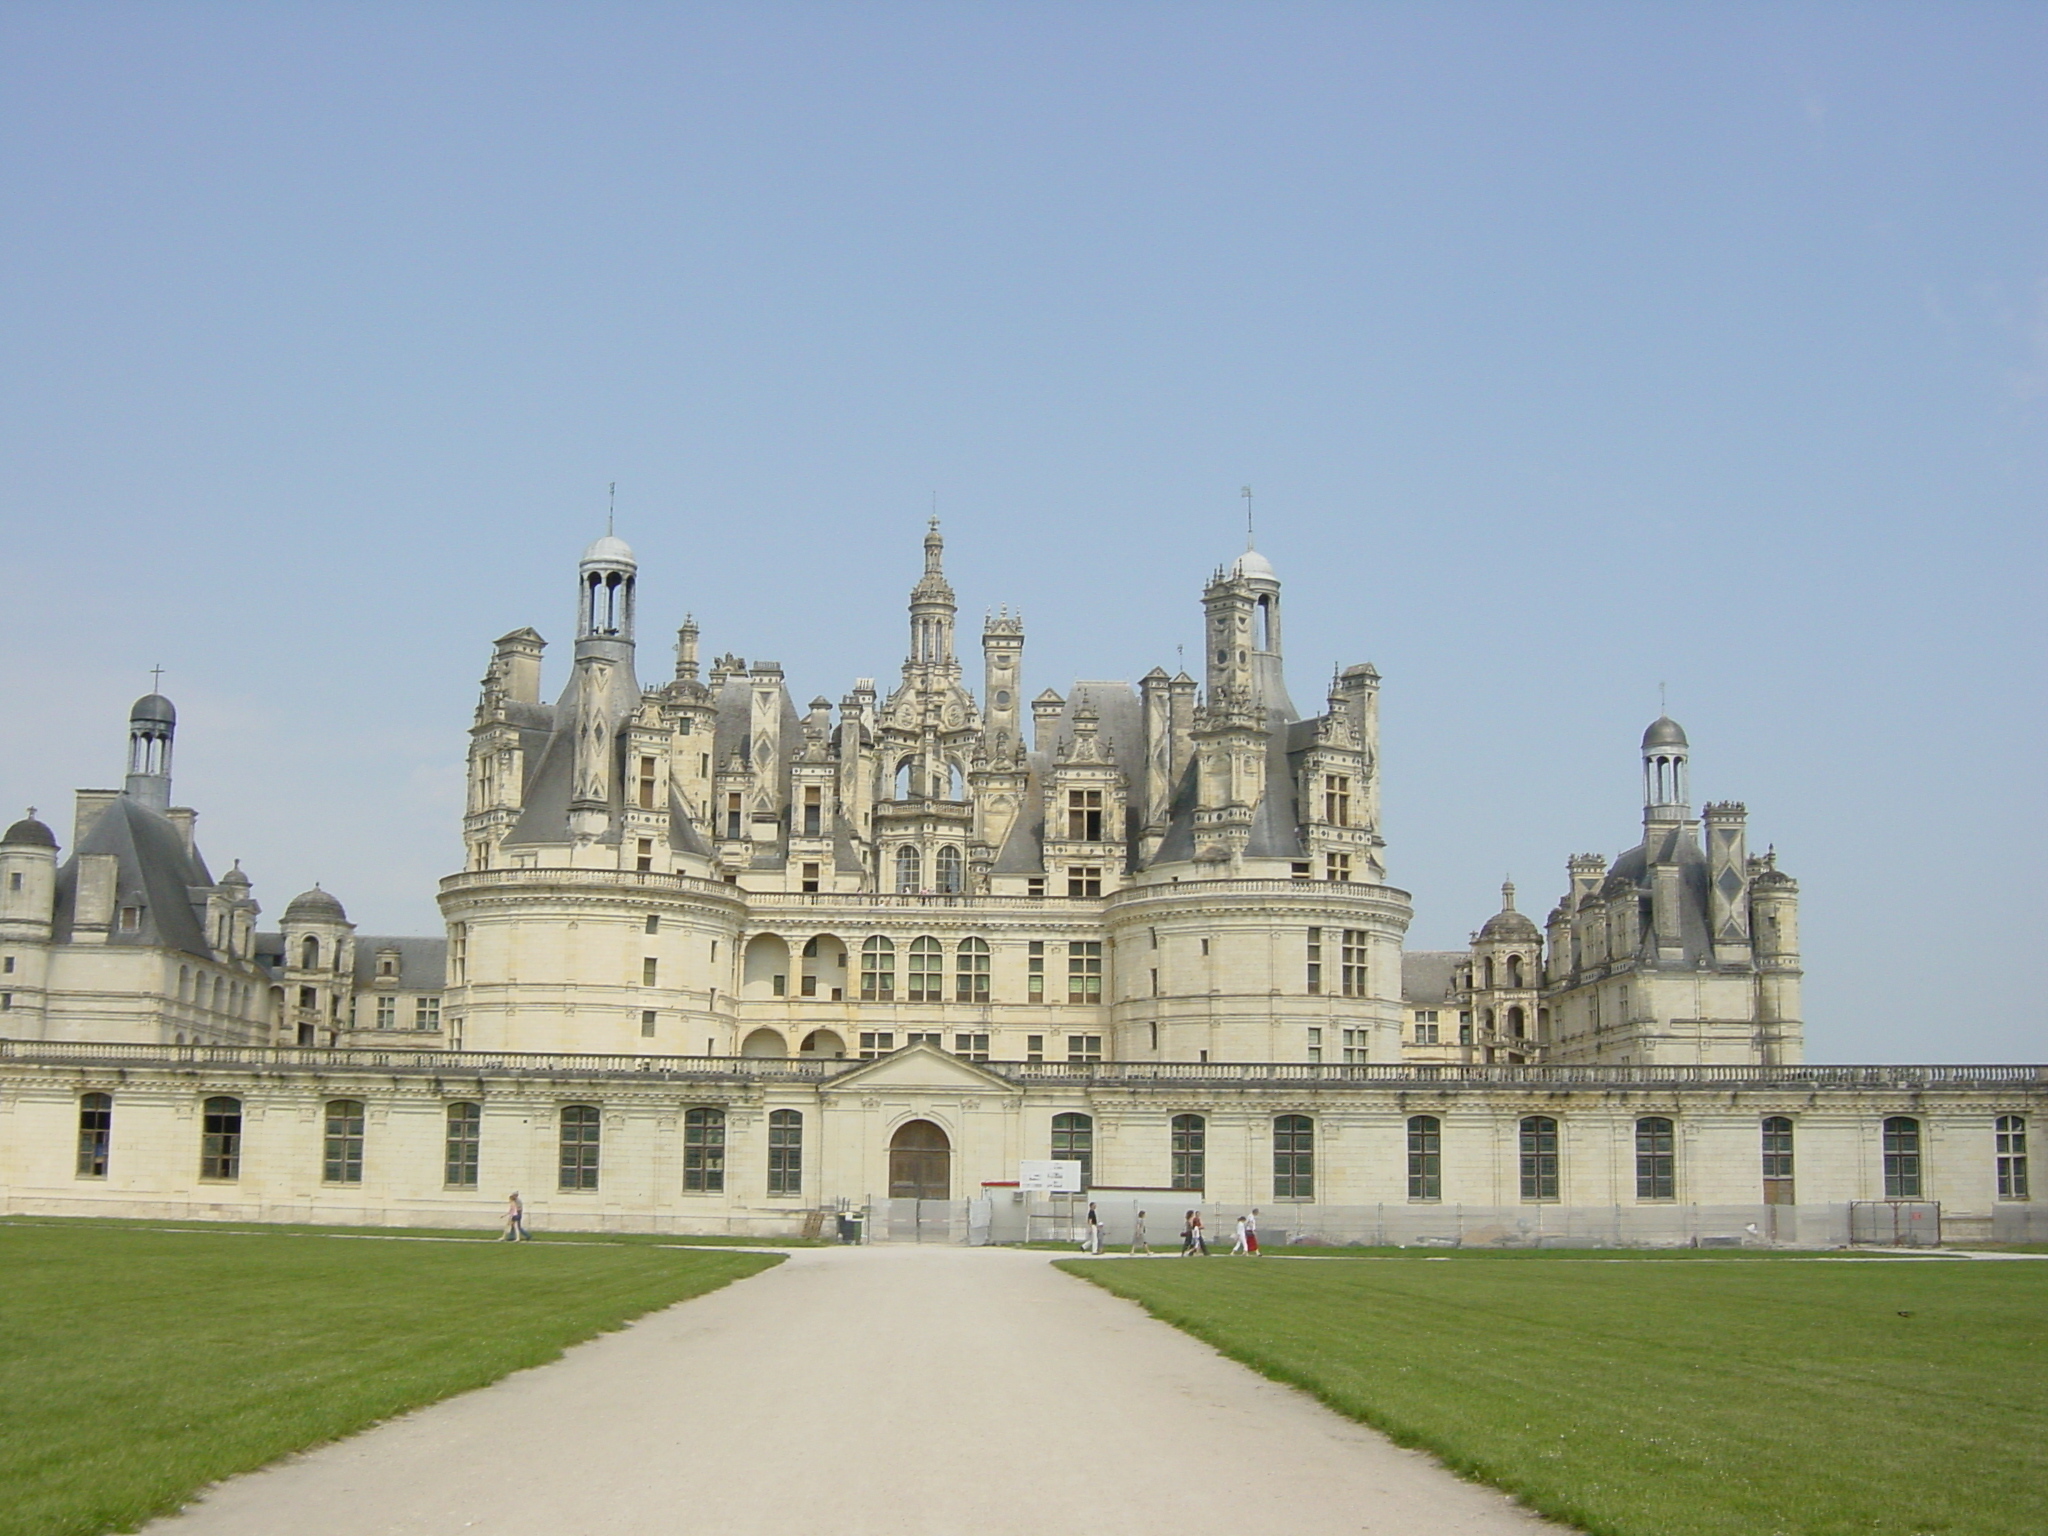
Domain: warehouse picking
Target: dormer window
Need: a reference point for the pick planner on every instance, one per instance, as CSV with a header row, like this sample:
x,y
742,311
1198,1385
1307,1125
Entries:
x,y
131,919
1084,815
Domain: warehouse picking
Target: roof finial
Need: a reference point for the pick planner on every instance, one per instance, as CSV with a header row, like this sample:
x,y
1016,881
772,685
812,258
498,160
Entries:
x,y
611,507
1663,704
1507,894
1246,493
156,679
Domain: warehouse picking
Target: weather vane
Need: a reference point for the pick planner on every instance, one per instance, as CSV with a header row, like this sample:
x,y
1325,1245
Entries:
x,y
611,507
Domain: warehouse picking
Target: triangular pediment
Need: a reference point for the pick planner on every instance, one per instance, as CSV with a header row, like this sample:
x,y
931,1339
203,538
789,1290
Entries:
x,y
920,1066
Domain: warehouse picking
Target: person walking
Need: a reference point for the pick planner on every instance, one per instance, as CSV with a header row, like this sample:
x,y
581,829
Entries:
x,y
1251,1233
1187,1233
1237,1238
1093,1241
1201,1243
1138,1243
515,1221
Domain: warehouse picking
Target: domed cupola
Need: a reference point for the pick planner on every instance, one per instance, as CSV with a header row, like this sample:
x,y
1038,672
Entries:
x,y
1666,794
314,906
605,578
29,833
152,724
1507,926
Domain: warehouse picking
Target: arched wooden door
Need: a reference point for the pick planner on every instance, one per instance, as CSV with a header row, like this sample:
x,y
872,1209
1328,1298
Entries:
x,y
920,1163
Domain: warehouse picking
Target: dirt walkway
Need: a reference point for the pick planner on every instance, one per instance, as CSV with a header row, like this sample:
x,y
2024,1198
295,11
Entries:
x,y
950,1391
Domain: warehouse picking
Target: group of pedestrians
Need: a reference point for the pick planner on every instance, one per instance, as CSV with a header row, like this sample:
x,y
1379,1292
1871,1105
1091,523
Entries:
x,y
1193,1243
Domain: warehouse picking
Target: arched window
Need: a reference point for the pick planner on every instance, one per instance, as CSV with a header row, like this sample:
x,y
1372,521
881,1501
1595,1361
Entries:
x,y
579,1146
950,872
956,787
1190,1151
309,954
342,1149
2011,1132
1073,1141
971,971
1294,1158
785,1152
184,982
909,869
906,778
1425,1157
878,970
704,1150
220,1139
1487,971
1656,1159
465,1142
1902,1158
1777,1150
927,971
95,1133
1514,970
1539,1158
1518,1022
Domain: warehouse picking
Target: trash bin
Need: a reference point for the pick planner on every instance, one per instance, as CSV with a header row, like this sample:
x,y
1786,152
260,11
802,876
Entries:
x,y
849,1227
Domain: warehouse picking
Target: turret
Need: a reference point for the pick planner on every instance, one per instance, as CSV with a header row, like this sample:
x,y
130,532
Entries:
x,y
319,963
1002,654
932,612
1774,915
151,725
1666,794
28,881
605,580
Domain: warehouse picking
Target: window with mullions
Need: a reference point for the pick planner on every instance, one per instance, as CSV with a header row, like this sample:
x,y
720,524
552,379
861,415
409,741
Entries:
x,y
1294,1158
1656,1159
1034,964
970,962
1539,1158
1084,971
1425,1157
878,970
95,1134
704,1150
1352,974
2011,1133
927,982
950,871
579,1145
974,1047
876,1043
1084,1048
1902,1158
1190,1151
1084,815
785,1152
1073,1141
1777,1152
341,1160
220,1139
464,1143
909,869
1315,961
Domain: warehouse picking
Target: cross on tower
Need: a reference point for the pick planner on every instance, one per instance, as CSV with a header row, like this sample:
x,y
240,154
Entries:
x,y
156,679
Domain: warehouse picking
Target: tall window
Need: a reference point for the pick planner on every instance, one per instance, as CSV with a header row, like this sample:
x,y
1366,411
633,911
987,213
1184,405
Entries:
x,y
1352,976
814,810
579,1146
643,785
1190,1135
1315,961
1337,799
1539,1158
2011,1132
1336,866
650,972
96,1132
1073,1141
1777,1160
1425,1157
971,971
927,971
704,1150
909,869
878,970
1902,1158
735,808
1084,815
220,1139
426,1013
341,1160
1034,966
785,1152
1294,1158
1084,971
951,872
387,1013
465,1141
1656,1159
1084,880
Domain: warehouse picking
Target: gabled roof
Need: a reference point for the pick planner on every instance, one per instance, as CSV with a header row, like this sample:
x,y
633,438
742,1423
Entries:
x,y
920,1066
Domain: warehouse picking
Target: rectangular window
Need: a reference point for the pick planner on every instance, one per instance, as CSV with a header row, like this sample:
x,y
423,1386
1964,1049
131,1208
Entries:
x,y
1464,1028
704,1150
811,876
1073,1141
925,1037
95,1134
647,1017
1294,1158
2011,1141
1539,1158
876,1042
643,789
1336,866
1190,1141
785,1152
1777,1164
465,1142
643,855
131,919
1034,1047
814,811
1352,974
650,971
387,1013
1426,1027
342,1148
970,971
579,1146
426,1013
220,1140
1084,1048
1315,961
974,1047
1084,880
1034,885
1354,1046
1656,1159
1902,1158
1084,816
653,923
735,815
1035,968
1084,971
779,985
1315,1043
7,965
1425,1158
1337,799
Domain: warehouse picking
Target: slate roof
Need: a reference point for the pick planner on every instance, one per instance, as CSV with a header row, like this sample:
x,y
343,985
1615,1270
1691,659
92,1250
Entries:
x,y
157,874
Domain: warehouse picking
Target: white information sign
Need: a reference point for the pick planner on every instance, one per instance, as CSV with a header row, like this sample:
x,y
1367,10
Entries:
x,y
1060,1178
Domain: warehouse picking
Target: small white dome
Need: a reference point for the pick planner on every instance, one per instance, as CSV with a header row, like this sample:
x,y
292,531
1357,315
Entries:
x,y
1252,563
609,550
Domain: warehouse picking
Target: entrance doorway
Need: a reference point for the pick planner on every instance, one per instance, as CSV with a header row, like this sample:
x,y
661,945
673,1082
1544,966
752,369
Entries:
x,y
920,1162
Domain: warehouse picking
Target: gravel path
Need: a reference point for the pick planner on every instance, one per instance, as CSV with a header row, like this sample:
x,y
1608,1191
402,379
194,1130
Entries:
x,y
884,1390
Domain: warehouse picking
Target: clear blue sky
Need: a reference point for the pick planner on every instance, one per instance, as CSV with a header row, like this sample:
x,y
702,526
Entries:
x,y
1571,349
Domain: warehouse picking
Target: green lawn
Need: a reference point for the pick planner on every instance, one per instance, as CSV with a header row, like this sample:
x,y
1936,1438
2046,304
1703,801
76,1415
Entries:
x,y
138,1365
1786,1398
